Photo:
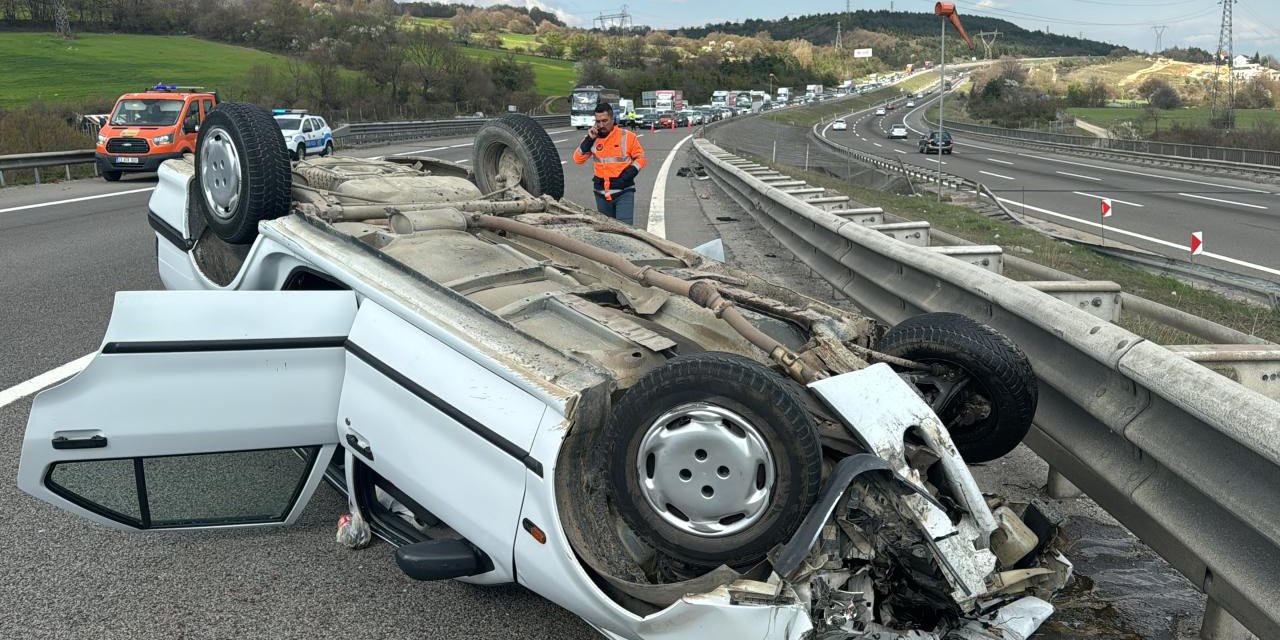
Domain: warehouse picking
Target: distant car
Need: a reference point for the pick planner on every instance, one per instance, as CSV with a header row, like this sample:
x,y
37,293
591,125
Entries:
x,y
667,119
889,106
911,103
898,131
936,142
304,134
645,116
839,125
881,111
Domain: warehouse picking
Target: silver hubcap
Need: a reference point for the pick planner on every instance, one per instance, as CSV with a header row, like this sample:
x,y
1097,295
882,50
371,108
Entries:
x,y
705,470
220,173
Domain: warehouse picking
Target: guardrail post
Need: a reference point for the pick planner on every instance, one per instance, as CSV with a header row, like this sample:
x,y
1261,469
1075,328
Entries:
x,y
67,167
37,172
1218,624
1,179
1060,488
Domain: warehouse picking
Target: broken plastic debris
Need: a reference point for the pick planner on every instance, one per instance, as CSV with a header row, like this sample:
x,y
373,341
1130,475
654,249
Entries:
x,y
1014,621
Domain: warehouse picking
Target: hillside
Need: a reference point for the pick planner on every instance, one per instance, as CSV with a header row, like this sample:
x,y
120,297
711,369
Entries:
x,y
99,67
900,37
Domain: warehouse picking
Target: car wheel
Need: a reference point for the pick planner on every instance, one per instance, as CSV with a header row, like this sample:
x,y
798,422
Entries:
x,y
328,149
714,459
242,171
992,411
513,150
300,153
111,176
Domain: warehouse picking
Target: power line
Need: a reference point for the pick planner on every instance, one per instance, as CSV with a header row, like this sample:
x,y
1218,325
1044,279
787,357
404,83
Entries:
x,y
987,44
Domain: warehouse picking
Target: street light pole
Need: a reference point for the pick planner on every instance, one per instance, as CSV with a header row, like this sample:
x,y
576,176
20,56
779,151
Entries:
x,y
942,96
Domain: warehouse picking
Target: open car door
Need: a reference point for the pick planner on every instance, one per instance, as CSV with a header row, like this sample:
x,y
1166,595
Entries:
x,y
201,409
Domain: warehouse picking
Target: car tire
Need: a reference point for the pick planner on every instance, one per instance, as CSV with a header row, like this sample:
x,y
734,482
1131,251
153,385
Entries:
x,y
242,172
760,442
300,153
517,147
111,176
998,370
328,149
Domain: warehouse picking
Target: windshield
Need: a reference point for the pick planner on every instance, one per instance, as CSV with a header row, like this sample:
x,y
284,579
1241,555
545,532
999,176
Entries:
x,y
146,112
585,100
289,124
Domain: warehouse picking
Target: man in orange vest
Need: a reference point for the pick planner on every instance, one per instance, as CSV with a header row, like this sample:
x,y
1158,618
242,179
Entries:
x,y
618,159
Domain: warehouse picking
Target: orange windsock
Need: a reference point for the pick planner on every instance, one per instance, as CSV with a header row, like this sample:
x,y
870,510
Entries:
x,y
948,10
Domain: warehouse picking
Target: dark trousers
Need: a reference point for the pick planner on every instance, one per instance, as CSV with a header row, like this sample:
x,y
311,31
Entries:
x,y
621,208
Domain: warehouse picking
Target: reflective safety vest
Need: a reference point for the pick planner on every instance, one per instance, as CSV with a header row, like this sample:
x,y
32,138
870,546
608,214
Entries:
x,y
613,154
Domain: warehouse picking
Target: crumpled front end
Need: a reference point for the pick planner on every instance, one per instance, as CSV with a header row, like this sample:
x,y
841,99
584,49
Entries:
x,y
901,543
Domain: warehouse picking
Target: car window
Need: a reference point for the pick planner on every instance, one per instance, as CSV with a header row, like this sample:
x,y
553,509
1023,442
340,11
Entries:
x,y
188,490
193,113
306,126
207,105
320,123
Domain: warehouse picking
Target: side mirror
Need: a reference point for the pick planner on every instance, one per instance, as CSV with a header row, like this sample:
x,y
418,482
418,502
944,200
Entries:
x,y
190,126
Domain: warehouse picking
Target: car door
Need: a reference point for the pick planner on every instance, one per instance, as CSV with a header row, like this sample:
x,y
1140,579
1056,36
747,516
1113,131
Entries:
x,y
450,433
200,409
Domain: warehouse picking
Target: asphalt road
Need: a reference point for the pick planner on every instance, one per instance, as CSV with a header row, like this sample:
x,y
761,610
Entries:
x,y
65,249
1154,209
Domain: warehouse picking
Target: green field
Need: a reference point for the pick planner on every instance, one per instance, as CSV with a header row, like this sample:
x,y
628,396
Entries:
x,y
552,77
1107,116
103,66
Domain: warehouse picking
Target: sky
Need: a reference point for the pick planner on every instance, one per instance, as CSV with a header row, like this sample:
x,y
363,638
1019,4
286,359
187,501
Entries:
x,y
1126,22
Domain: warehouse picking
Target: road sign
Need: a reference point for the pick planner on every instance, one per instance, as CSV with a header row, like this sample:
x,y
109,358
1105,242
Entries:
x,y
862,53
1197,243
1106,207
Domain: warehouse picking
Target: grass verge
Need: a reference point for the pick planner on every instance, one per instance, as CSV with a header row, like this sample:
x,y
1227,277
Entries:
x,y
1196,116
1063,256
96,66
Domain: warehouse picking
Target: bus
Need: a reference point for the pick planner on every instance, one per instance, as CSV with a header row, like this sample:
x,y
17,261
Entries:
x,y
582,104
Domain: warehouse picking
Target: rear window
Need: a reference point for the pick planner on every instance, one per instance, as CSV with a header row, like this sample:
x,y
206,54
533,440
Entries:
x,y
146,112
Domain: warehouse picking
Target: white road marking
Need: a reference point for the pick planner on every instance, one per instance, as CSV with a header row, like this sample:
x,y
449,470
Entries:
x,y
1242,204
462,161
1090,195
1000,161
934,160
564,162
465,144
1118,170
1076,175
657,223
48,378
877,144
561,140
1115,230
899,150
988,173
639,135
80,199
407,153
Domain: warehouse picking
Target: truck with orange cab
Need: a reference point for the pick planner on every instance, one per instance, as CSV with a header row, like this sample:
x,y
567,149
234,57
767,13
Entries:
x,y
149,127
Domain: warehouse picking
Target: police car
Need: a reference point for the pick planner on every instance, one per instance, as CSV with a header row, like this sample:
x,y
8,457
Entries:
x,y
304,134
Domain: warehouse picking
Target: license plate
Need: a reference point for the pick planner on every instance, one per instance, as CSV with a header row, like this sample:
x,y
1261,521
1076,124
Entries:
x,y
128,160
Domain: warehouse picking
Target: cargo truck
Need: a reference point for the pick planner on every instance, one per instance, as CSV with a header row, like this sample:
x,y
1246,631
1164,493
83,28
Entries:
x,y
668,100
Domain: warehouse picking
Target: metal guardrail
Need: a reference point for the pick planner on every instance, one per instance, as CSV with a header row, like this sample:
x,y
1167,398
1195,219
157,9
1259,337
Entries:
x,y
367,132
37,161
1184,457
1167,153
355,133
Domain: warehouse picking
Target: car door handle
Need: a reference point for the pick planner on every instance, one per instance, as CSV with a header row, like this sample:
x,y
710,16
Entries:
x,y
79,442
360,445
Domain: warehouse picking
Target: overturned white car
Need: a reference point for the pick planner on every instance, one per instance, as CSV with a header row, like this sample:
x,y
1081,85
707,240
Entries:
x,y
510,388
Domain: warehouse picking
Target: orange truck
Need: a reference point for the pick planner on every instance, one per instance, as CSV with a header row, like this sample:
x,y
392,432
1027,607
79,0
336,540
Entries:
x,y
152,126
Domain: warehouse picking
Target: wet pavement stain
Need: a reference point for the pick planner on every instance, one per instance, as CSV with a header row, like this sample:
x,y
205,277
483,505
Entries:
x,y
1121,590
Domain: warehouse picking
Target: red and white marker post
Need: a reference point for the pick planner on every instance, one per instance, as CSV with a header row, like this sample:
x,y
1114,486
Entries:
x,y
1197,244
1106,213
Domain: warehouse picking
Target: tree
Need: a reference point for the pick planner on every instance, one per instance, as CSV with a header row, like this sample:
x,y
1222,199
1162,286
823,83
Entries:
x,y
584,46
511,75
1159,93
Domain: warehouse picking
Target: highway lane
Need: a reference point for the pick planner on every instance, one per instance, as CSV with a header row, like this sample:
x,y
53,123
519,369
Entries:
x,y
1154,208
60,264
